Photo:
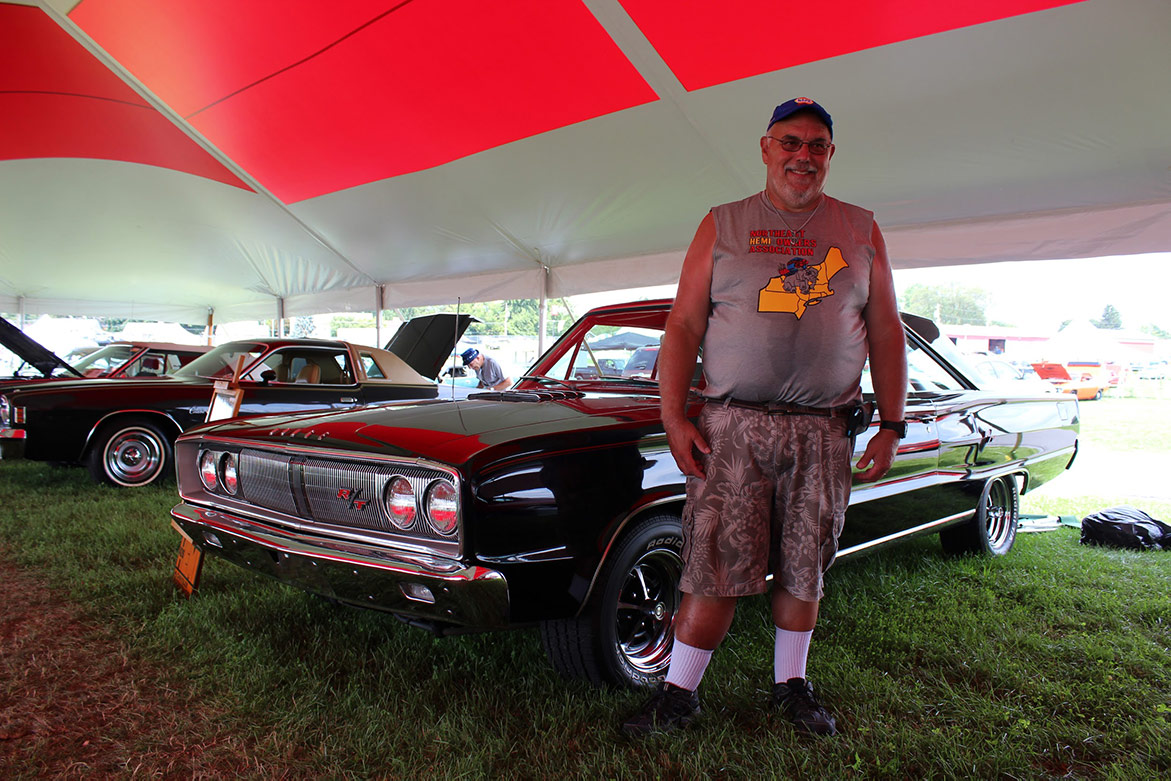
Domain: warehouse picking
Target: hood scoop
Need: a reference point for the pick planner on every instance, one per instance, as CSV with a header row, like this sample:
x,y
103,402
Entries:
x,y
294,433
533,395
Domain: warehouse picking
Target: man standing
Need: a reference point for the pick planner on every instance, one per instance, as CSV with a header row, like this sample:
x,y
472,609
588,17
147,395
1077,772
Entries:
x,y
487,370
788,291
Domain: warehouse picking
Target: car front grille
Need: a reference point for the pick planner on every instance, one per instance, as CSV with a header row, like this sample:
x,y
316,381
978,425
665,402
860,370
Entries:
x,y
337,494
265,481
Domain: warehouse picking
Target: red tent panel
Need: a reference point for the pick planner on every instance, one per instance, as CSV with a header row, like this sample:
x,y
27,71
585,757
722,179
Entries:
x,y
222,45
422,85
58,100
707,43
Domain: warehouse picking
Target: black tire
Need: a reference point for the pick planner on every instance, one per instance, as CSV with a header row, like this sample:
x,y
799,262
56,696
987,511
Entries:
x,y
131,452
992,529
625,635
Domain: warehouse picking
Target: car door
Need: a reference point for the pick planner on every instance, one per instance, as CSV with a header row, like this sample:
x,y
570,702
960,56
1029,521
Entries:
x,y
300,378
918,489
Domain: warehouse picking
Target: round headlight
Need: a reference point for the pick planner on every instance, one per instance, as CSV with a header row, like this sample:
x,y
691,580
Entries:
x,y
207,470
228,473
400,502
442,505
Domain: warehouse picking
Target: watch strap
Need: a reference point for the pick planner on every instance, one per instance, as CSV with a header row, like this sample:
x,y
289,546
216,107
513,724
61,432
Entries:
x,y
899,427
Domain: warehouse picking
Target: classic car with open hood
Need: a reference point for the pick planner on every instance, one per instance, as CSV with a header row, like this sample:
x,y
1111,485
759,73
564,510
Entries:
x,y
123,430
116,360
557,502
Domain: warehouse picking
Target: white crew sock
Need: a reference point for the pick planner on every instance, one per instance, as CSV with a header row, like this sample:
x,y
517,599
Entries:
x,y
789,654
687,665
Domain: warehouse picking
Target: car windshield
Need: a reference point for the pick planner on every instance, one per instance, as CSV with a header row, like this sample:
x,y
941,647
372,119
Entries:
x,y
221,361
609,353
100,362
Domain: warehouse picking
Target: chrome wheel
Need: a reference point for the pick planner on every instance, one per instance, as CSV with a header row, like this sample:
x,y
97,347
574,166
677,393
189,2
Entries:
x,y
1001,515
645,616
991,529
130,454
623,635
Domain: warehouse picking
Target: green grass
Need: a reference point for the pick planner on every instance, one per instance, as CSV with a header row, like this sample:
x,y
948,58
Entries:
x,y
1053,661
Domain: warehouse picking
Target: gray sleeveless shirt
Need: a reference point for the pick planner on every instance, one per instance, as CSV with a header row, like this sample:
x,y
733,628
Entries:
x,y
786,303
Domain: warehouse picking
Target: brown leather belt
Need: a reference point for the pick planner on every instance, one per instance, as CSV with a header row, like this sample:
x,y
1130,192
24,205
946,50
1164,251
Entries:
x,y
785,408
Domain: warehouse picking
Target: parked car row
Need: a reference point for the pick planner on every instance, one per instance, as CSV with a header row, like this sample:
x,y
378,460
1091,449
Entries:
x,y
116,360
557,503
123,430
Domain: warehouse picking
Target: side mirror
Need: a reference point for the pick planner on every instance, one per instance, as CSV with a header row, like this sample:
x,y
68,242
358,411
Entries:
x,y
267,376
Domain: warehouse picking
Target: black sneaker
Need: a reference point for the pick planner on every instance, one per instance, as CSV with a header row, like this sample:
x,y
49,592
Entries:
x,y
670,708
795,698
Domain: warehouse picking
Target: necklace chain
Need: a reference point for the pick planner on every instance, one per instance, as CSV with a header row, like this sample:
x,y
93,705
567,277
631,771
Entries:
x,y
785,222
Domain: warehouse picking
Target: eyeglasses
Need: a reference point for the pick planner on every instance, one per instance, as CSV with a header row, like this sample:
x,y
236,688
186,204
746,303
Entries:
x,y
792,144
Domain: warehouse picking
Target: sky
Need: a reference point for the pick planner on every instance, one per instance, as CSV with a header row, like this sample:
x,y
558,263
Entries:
x,y
1042,294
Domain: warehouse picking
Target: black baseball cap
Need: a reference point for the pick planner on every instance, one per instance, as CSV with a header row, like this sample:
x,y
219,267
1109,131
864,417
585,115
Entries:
x,y
791,107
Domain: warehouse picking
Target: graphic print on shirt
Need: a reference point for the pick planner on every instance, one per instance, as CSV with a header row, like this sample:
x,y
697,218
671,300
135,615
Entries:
x,y
800,284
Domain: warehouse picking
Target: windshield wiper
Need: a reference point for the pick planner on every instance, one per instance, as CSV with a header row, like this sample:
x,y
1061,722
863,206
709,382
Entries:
x,y
629,380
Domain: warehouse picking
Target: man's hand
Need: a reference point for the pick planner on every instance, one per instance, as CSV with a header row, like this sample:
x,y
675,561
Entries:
x,y
879,455
684,439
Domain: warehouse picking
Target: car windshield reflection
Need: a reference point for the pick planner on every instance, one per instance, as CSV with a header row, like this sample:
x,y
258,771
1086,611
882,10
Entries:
x,y
221,362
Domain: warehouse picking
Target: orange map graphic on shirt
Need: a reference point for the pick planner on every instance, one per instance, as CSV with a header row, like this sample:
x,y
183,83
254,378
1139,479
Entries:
x,y
800,284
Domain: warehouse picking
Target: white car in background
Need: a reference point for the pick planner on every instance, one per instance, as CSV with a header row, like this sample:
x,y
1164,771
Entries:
x,y
994,373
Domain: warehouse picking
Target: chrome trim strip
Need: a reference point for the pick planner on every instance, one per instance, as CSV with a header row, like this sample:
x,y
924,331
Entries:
x,y
871,544
560,553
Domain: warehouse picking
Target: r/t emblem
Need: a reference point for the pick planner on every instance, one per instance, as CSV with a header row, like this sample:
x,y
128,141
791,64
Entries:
x,y
354,497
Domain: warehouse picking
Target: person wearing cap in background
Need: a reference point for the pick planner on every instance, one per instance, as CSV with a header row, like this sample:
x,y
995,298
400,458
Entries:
x,y
788,291
487,370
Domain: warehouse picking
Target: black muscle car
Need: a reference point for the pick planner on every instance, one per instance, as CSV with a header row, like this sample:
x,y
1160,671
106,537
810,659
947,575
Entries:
x,y
558,503
123,430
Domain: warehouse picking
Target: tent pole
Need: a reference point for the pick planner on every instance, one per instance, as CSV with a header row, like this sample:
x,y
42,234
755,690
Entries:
x,y
379,290
280,317
210,324
543,312
20,312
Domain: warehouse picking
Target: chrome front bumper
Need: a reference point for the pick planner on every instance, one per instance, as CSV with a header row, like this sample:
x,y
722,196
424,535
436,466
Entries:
x,y
413,585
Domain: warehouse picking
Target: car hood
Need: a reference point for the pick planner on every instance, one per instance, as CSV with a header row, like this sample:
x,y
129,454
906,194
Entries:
x,y
426,342
451,432
31,351
1051,371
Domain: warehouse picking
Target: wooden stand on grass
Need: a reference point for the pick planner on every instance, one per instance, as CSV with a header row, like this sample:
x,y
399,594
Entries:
x,y
225,403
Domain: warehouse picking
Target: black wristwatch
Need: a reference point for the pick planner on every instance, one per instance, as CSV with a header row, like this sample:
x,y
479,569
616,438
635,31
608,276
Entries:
x,y
899,427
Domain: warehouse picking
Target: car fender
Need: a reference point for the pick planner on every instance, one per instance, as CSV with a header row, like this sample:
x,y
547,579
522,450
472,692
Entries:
x,y
154,414
672,504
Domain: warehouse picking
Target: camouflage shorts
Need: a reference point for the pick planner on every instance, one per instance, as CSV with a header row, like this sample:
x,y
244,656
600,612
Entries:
x,y
774,501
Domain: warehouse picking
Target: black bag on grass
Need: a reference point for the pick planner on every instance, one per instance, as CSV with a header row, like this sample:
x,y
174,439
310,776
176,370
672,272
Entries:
x,y
1125,527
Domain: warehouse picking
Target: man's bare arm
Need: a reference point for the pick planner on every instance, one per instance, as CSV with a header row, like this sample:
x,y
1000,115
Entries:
x,y
686,325
888,361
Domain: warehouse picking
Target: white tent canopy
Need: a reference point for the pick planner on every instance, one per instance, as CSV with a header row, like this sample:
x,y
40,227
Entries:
x,y
1037,131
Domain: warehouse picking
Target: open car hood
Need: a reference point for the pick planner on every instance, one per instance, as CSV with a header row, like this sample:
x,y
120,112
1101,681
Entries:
x,y
1051,371
30,351
426,342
